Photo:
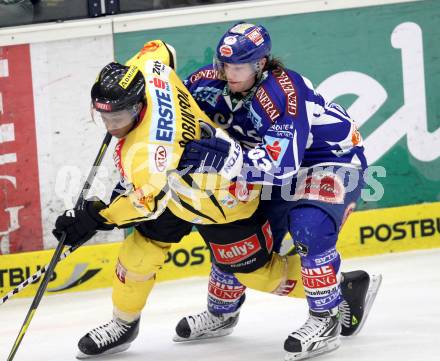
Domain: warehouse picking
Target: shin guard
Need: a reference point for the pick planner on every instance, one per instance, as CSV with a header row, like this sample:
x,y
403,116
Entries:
x,y
139,260
225,292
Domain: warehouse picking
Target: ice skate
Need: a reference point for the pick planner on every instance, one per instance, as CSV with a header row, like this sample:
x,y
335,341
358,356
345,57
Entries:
x,y
115,336
358,291
320,334
205,325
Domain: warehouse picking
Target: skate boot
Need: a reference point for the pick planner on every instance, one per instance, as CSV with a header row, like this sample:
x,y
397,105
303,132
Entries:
x,y
320,334
358,291
112,337
205,325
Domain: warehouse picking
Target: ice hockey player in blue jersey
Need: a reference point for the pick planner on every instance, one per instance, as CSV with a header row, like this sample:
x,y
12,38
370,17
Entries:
x,y
310,155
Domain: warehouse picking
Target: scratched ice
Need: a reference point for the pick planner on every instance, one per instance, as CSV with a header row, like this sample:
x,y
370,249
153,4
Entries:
x,y
403,324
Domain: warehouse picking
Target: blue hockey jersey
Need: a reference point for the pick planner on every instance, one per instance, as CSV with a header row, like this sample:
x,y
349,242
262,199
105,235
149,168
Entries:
x,y
283,124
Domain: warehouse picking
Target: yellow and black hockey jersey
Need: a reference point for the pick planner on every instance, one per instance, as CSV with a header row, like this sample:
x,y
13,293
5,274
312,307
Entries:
x,y
148,156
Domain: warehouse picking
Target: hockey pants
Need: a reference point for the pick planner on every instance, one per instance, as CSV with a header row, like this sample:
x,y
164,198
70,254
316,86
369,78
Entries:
x,y
140,258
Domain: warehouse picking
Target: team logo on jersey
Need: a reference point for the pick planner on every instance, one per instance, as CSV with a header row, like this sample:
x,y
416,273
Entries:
x,y
241,190
204,74
356,138
229,201
323,186
156,67
276,148
150,47
267,104
159,83
159,157
117,158
226,50
255,36
268,237
285,82
142,199
163,118
281,131
235,252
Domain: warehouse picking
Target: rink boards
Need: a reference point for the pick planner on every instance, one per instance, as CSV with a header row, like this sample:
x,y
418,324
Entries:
x,y
365,233
48,142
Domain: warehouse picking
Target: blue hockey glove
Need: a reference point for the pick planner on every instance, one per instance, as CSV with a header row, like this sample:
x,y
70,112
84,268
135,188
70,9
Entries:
x,y
216,153
205,155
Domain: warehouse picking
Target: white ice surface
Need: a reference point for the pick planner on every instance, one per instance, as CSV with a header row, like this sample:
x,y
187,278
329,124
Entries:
x,y
404,323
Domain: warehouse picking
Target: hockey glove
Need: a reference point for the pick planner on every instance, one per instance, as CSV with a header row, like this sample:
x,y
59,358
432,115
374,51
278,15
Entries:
x,y
218,153
81,224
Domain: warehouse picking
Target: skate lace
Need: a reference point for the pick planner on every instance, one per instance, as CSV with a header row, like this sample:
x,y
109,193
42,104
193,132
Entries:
x,y
312,328
345,313
204,321
110,332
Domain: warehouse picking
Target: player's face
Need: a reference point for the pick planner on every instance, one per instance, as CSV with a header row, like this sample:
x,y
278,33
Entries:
x,y
121,130
240,77
118,123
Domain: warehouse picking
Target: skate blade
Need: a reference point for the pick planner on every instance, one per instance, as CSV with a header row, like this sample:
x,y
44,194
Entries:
x,y
329,346
373,288
205,336
81,356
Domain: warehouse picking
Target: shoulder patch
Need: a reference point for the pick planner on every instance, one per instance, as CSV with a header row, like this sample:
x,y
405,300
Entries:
x,y
267,104
157,68
286,84
149,47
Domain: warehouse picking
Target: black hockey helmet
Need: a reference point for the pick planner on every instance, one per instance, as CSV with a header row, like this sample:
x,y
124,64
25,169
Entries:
x,y
118,87
118,97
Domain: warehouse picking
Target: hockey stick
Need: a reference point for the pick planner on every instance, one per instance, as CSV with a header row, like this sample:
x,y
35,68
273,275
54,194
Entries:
x,y
36,276
56,257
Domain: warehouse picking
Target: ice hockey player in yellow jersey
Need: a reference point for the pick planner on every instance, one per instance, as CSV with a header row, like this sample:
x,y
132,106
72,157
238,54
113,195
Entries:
x,y
148,155
146,106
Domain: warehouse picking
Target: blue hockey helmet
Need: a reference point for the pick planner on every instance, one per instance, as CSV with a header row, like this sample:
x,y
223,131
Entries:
x,y
244,43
